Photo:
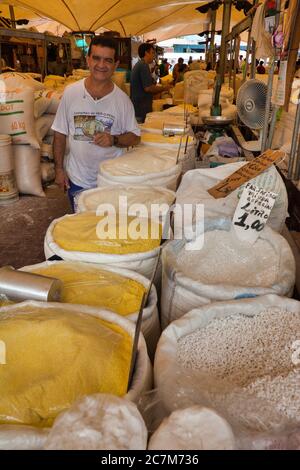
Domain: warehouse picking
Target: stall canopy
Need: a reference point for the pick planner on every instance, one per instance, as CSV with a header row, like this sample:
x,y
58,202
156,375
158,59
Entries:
x,y
165,18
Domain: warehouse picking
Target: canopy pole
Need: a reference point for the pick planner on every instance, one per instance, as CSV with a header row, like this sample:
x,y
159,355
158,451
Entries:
x,y
211,57
12,16
225,31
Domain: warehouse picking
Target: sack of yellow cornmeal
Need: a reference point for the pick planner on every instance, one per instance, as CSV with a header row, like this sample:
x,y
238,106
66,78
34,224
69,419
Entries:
x,y
58,353
95,239
85,232
112,288
89,284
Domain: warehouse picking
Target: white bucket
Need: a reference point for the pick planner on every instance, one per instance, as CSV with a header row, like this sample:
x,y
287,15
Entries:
x,y
8,186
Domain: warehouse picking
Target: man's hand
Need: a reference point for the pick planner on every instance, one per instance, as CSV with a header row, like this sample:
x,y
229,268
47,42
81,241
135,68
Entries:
x,y
61,179
103,139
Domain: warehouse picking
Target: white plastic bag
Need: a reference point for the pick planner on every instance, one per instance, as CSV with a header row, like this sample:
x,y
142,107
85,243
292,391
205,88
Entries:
x,y
28,170
181,293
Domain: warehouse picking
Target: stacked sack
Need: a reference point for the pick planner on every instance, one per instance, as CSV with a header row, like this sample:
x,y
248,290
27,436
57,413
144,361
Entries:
x,y
18,119
194,82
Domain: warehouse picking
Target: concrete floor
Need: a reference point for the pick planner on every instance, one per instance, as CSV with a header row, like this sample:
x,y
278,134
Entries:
x,y
23,226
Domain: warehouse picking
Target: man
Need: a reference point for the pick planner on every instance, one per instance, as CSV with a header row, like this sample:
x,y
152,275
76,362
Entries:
x,y
142,86
261,69
97,117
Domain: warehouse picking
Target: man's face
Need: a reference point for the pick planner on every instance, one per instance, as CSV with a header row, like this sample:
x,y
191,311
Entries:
x,y
102,63
149,56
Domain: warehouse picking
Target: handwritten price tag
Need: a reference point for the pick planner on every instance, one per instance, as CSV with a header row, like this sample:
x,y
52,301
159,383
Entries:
x,y
253,212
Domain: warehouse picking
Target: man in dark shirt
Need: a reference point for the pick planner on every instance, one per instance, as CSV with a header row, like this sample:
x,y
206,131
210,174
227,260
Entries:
x,y
142,86
261,69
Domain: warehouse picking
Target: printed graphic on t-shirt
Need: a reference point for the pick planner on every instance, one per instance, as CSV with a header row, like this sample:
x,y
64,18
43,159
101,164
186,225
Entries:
x,y
89,124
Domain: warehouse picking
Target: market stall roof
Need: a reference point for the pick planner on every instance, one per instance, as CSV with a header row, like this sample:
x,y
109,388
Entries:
x,y
169,21
125,16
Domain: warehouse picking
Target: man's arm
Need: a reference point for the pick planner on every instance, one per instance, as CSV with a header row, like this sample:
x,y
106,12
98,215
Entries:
x,y
154,89
59,148
129,139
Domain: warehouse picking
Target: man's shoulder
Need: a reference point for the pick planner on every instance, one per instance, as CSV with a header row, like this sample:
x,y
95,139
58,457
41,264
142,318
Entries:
x,y
73,88
121,95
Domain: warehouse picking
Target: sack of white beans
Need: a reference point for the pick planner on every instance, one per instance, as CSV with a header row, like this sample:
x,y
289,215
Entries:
x,y
225,268
240,358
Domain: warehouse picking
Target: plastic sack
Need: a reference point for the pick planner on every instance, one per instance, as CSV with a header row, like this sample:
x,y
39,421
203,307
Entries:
x,y
147,195
99,422
13,80
95,356
43,125
194,186
141,166
187,144
142,377
194,428
41,103
48,172
140,258
182,292
222,379
17,116
28,170
18,437
112,288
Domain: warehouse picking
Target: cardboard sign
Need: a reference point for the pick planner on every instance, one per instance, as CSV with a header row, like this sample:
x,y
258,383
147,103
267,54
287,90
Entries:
x,y
279,98
245,174
253,212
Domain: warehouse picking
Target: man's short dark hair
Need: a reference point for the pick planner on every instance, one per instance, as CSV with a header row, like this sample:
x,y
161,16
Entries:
x,y
143,48
104,42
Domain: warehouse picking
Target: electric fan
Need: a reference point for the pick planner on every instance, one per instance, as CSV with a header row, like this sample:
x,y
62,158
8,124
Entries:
x,y
251,104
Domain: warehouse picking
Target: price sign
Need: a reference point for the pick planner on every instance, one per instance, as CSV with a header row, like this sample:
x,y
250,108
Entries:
x,y
252,212
246,173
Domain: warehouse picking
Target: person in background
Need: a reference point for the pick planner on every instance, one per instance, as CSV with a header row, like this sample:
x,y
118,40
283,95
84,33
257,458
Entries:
x,y
98,119
240,62
260,68
164,68
142,86
180,63
182,68
190,60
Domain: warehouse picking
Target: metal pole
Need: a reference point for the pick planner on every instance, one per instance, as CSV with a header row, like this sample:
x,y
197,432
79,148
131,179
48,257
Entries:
x,y
265,130
232,49
253,60
213,16
293,163
225,31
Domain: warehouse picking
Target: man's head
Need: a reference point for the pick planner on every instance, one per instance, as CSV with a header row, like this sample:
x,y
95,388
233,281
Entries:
x,y
146,52
180,60
261,62
102,58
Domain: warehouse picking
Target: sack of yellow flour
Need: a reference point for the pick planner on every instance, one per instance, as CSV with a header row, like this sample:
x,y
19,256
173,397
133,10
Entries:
x,y
90,285
54,356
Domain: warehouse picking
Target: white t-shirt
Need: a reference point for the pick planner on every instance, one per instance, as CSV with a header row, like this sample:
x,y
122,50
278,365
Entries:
x,y
79,116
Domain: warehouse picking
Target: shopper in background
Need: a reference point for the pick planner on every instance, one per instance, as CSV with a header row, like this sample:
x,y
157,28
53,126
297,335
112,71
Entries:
x,y
176,69
260,69
96,117
142,86
182,68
